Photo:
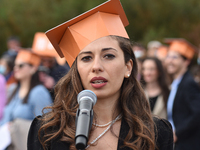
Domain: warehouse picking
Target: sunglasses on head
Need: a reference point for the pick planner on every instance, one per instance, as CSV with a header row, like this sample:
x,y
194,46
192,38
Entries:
x,y
22,65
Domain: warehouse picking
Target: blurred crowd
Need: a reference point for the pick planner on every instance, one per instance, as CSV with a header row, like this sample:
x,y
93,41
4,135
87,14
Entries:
x,y
27,79
169,74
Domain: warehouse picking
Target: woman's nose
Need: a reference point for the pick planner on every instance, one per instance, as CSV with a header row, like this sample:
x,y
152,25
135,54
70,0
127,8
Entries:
x,y
97,65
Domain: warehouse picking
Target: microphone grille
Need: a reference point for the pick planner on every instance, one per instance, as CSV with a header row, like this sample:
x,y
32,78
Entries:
x,y
87,93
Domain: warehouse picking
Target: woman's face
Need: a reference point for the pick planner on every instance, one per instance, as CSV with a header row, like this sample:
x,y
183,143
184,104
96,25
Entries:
x,y
149,71
23,70
102,67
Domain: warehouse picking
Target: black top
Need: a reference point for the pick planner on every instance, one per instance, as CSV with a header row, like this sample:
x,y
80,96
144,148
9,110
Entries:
x,y
152,101
58,71
164,137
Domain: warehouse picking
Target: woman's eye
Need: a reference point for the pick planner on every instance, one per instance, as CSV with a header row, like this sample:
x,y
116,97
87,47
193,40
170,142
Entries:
x,y
109,56
86,58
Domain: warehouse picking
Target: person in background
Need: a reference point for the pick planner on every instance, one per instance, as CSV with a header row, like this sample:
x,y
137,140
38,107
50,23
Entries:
x,y
162,53
49,71
198,57
2,94
139,50
152,48
101,60
140,54
13,45
28,99
55,70
156,85
7,62
6,68
195,70
184,99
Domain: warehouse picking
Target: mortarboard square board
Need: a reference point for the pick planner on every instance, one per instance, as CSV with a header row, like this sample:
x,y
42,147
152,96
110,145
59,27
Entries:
x,y
28,57
72,36
42,46
181,46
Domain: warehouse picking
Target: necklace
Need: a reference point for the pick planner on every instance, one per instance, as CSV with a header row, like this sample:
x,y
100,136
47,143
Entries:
x,y
111,123
103,125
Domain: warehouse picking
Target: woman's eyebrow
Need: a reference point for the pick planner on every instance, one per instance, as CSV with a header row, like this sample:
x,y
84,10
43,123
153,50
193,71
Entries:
x,y
85,52
103,49
109,48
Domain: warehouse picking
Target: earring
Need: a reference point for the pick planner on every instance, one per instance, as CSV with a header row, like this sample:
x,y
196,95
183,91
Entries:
x,y
128,75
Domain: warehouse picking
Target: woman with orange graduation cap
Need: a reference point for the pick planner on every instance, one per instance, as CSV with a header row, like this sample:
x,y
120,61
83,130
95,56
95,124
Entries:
x,y
30,95
53,71
100,54
50,71
27,100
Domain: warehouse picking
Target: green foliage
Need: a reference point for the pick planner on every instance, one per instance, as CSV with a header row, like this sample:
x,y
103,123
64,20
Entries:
x,y
155,19
149,20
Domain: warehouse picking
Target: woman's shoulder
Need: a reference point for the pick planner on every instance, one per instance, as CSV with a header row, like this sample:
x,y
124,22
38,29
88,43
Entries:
x,y
33,140
39,91
164,134
162,125
36,124
34,135
39,88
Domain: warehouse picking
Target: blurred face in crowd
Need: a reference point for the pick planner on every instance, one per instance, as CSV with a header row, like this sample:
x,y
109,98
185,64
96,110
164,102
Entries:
x,y
48,61
13,45
175,63
23,70
4,69
102,67
138,51
149,71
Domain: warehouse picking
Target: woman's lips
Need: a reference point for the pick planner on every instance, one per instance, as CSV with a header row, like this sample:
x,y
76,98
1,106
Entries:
x,y
98,82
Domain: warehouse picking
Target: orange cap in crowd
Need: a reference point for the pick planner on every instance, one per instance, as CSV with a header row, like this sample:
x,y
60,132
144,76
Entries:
x,y
162,52
72,36
29,57
42,46
181,46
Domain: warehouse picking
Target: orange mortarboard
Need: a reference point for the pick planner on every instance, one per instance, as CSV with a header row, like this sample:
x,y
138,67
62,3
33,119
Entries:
x,y
29,57
181,46
72,36
42,46
162,52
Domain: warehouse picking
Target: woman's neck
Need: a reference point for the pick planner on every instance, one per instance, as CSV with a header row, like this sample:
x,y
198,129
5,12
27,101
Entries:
x,y
153,89
105,111
151,85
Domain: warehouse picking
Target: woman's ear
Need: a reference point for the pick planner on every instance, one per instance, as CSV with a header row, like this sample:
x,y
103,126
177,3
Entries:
x,y
129,67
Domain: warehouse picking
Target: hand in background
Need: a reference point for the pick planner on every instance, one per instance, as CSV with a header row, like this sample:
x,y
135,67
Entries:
x,y
47,80
175,137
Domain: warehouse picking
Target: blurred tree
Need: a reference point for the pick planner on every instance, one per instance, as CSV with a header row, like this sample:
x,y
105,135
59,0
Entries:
x,y
155,20
149,20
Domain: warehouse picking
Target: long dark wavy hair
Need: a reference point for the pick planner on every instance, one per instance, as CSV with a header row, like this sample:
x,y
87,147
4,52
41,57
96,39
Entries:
x,y
34,82
163,79
132,103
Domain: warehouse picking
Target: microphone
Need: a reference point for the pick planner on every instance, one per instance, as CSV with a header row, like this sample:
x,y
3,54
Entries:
x,y
84,116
